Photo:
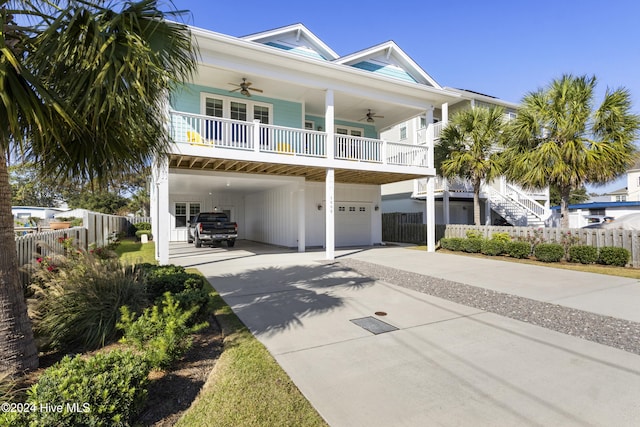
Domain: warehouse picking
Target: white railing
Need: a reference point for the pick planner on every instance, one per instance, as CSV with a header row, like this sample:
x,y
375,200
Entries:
x,y
197,129
528,202
437,130
357,148
407,154
215,132
278,139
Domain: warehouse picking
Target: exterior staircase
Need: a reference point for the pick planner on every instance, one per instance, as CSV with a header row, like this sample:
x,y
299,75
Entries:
x,y
517,206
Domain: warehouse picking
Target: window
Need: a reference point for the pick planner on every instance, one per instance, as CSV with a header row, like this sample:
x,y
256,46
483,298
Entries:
x,y
621,198
181,209
238,111
213,107
352,208
261,113
233,108
403,132
341,209
363,209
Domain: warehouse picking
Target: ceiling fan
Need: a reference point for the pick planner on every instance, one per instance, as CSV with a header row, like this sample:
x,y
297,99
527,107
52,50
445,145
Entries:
x,y
370,116
244,87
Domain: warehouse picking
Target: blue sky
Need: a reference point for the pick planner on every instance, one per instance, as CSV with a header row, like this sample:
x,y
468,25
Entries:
x,y
500,48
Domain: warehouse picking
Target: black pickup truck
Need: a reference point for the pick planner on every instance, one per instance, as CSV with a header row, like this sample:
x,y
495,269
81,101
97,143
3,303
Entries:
x,y
210,228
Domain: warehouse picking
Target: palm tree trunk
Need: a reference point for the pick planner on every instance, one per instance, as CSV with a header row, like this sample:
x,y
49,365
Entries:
x,y
476,202
18,352
565,193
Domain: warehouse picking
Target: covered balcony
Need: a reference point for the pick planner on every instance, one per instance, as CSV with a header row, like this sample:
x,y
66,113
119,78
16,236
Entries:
x,y
212,143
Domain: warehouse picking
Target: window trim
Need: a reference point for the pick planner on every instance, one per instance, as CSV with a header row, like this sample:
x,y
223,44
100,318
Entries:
x,y
226,105
187,214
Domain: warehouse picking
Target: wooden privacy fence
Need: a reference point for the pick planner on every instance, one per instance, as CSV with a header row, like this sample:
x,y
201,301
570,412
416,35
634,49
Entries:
x,y
597,237
97,229
407,228
46,243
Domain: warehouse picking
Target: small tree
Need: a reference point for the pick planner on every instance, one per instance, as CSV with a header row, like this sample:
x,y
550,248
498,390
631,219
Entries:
x,y
559,139
468,148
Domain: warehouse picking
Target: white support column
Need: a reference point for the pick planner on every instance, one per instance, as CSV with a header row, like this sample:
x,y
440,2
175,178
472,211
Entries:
x,y
329,122
445,113
431,215
163,226
301,220
330,238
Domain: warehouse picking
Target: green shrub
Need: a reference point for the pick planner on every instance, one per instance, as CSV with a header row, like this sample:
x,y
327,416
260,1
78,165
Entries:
x,y
143,226
161,332
501,237
518,249
492,247
474,234
613,256
583,254
549,252
473,245
453,243
107,389
77,300
169,278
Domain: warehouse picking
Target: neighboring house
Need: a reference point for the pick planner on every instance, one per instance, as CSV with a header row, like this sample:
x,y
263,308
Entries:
x,y
23,213
283,134
633,183
580,213
454,197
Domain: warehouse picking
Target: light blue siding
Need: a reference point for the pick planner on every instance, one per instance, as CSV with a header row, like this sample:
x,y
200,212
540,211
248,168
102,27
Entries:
x,y
285,113
369,130
300,51
385,70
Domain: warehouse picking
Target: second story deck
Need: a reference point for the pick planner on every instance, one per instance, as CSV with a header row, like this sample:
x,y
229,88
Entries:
x,y
212,143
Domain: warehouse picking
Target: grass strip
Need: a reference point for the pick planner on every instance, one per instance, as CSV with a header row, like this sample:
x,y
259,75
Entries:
x,y
247,387
134,252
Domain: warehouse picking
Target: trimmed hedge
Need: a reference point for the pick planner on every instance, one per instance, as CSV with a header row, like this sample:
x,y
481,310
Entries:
x,y
583,254
549,252
452,243
517,249
492,247
473,245
614,256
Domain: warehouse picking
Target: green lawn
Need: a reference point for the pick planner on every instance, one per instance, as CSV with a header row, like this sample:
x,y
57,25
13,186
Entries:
x,y
133,252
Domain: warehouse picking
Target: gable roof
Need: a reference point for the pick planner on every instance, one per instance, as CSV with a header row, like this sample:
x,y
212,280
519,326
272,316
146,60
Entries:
x,y
388,59
296,38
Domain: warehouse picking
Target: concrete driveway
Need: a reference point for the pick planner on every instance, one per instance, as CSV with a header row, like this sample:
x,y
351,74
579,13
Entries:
x,y
428,361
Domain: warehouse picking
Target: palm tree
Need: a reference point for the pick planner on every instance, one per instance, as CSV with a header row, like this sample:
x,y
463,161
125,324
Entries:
x,y
467,148
83,89
559,139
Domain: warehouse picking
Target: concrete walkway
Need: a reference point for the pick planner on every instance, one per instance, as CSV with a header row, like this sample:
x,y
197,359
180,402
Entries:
x,y
444,363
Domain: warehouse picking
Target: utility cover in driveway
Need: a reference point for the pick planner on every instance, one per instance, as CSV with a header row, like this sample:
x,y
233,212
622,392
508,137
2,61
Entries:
x,y
374,325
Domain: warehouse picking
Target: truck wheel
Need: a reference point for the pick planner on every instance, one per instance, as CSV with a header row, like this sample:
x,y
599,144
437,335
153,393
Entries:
x,y
231,243
198,242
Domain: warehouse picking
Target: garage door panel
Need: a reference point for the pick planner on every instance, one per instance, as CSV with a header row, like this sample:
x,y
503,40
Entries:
x,y
353,224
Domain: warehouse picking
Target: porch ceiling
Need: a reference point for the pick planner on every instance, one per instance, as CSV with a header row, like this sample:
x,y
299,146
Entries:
x,y
310,173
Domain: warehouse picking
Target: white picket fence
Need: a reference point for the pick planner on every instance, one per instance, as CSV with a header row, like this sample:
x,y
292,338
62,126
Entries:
x,y
597,237
97,229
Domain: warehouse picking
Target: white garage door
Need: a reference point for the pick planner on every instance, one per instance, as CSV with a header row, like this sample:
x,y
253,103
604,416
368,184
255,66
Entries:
x,y
353,224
